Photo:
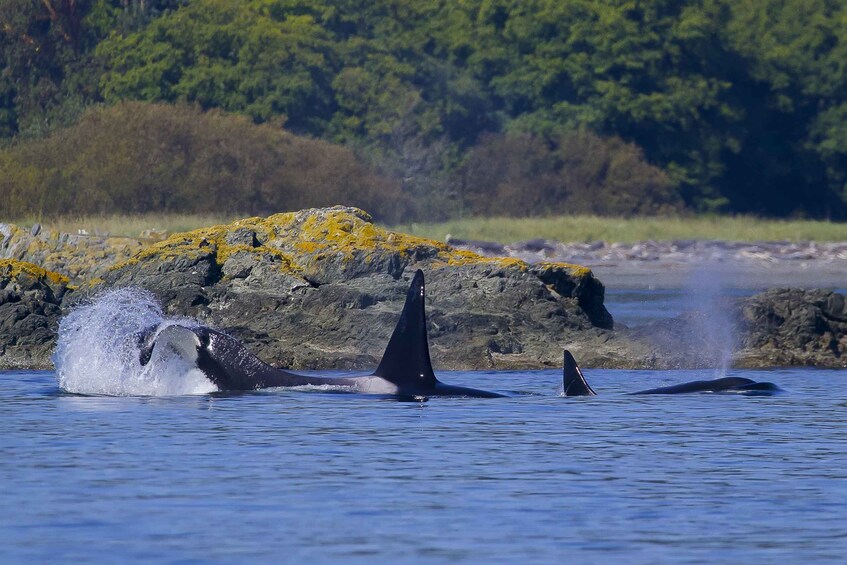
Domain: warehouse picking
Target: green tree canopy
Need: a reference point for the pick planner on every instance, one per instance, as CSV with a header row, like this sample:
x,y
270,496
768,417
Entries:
x,y
742,104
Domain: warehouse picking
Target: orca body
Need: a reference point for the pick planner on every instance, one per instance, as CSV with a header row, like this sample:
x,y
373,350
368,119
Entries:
x,y
405,370
737,385
574,384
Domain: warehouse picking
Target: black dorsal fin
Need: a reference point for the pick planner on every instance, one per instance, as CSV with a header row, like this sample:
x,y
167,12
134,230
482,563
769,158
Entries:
x,y
573,381
405,362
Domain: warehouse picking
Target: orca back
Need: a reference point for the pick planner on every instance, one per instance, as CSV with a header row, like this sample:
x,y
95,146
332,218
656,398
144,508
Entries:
x,y
715,385
724,385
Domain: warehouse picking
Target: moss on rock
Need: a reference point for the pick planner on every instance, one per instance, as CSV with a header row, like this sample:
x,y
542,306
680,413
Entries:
x,y
21,276
77,257
323,287
326,245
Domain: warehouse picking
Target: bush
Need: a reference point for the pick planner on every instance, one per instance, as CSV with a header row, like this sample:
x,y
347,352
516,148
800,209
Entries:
x,y
138,157
607,176
581,173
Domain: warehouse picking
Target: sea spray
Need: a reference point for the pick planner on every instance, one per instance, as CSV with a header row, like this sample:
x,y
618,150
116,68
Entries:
x,y
98,350
704,333
711,328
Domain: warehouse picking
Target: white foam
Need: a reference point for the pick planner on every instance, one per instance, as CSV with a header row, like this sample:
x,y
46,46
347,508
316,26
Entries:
x,y
324,388
98,350
376,385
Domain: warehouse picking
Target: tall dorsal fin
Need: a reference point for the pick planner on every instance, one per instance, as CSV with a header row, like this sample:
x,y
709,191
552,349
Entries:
x,y
573,381
405,362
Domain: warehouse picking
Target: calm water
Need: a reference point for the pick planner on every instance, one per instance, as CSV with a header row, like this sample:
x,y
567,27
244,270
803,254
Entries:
x,y
298,476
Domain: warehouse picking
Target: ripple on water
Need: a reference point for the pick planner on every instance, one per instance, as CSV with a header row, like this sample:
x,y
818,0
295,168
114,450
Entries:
x,y
304,475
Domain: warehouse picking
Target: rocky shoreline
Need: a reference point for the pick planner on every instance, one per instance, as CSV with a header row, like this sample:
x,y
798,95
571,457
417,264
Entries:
x,y
81,258
671,264
676,250
322,288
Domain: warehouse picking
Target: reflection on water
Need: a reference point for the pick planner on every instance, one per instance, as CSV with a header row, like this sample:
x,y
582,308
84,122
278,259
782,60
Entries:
x,y
317,476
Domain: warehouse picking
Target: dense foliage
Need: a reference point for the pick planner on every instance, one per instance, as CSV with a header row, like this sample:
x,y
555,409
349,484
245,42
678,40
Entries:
x,y
170,158
742,105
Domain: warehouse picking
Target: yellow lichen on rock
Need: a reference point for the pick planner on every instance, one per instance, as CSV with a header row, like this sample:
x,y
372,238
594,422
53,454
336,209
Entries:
x,y
13,269
574,270
213,240
323,244
461,258
345,230
348,231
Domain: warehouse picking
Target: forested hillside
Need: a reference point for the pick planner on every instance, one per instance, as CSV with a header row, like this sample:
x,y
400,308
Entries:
x,y
466,106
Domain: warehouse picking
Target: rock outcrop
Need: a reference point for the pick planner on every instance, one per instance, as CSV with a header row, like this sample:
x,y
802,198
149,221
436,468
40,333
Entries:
x,y
30,308
793,327
323,288
78,257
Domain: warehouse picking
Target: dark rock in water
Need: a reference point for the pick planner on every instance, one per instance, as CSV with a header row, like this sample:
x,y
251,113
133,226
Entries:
x,y
779,327
30,309
794,327
589,291
533,246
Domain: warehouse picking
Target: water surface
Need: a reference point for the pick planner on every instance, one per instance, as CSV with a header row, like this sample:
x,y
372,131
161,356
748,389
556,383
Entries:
x,y
295,476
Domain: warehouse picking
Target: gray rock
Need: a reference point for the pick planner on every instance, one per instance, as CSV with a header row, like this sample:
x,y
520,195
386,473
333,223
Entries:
x,y
81,258
794,327
775,328
324,288
30,309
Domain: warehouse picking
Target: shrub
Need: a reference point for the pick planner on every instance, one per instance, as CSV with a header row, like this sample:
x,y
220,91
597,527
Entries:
x,y
137,157
581,173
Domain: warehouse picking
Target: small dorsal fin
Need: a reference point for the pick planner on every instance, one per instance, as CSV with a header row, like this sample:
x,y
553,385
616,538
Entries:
x,y
406,362
573,381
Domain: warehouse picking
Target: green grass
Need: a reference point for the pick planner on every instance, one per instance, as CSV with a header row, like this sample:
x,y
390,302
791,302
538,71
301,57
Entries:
x,y
627,230
505,230
130,225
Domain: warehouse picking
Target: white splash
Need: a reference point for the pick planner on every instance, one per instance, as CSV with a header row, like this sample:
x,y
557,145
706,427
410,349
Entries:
x,y
98,350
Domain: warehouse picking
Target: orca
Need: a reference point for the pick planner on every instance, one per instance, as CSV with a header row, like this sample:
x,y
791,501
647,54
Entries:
x,y
574,384
405,370
573,381
738,385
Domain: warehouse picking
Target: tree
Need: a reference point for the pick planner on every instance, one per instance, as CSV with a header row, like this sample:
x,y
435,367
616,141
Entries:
x,y
249,57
